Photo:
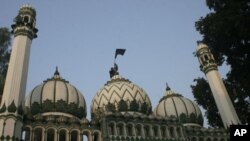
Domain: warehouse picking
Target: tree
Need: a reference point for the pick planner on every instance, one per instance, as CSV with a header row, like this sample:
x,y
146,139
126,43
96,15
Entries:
x,y
226,31
5,39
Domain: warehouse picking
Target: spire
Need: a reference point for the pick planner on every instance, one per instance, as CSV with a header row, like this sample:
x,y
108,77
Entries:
x,y
167,87
56,74
169,91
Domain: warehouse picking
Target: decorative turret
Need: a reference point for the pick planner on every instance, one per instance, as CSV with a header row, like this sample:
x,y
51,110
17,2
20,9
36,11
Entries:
x,y
209,67
25,22
14,90
206,58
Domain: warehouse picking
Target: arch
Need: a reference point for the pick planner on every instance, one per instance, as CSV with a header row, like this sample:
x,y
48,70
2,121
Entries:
x,y
120,129
155,131
51,134
171,132
96,135
26,19
179,132
63,135
74,135
138,130
26,134
129,129
86,134
111,128
147,131
163,131
38,134
206,57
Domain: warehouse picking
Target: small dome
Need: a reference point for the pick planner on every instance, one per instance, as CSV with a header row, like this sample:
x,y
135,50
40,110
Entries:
x,y
56,95
121,95
175,105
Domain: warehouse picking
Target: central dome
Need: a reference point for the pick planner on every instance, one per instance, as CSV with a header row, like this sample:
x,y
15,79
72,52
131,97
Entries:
x,y
56,95
120,95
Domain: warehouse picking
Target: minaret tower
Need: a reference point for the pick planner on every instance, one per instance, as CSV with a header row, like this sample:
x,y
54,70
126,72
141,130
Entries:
x,y
24,31
220,94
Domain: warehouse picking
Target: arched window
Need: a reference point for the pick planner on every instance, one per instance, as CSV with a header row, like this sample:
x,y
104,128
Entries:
x,y
111,129
62,135
146,131
206,57
129,130
38,134
178,131
171,131
155,131
74,136
50,135
138,131
26,134
86,135
96,136
119,129
84,138
26,19
163,132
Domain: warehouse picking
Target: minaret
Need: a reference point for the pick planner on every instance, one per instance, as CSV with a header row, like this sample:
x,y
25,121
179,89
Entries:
x,y
24,31
220,94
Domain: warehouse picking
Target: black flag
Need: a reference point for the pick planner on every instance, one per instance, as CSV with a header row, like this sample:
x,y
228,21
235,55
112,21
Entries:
x,y
119,52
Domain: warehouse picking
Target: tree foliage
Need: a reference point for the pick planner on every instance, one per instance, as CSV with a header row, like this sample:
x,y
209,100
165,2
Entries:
x,y
5,39
226,31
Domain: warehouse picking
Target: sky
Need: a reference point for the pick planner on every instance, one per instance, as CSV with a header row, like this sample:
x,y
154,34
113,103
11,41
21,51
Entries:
x,y
81,36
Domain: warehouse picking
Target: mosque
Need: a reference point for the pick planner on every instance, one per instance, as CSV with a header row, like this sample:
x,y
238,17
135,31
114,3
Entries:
x,y
55,110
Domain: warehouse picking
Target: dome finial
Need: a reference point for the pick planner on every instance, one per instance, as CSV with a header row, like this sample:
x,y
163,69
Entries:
x,y
56,72
167,87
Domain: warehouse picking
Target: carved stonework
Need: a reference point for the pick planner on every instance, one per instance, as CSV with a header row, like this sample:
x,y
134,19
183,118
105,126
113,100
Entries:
x,y
59,106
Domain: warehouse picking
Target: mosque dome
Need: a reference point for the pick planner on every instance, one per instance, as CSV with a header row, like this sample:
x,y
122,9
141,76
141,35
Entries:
x,y
120,95
56,96
175,105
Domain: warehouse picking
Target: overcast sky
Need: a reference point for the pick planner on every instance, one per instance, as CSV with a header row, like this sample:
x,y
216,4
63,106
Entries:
x,y
80,37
